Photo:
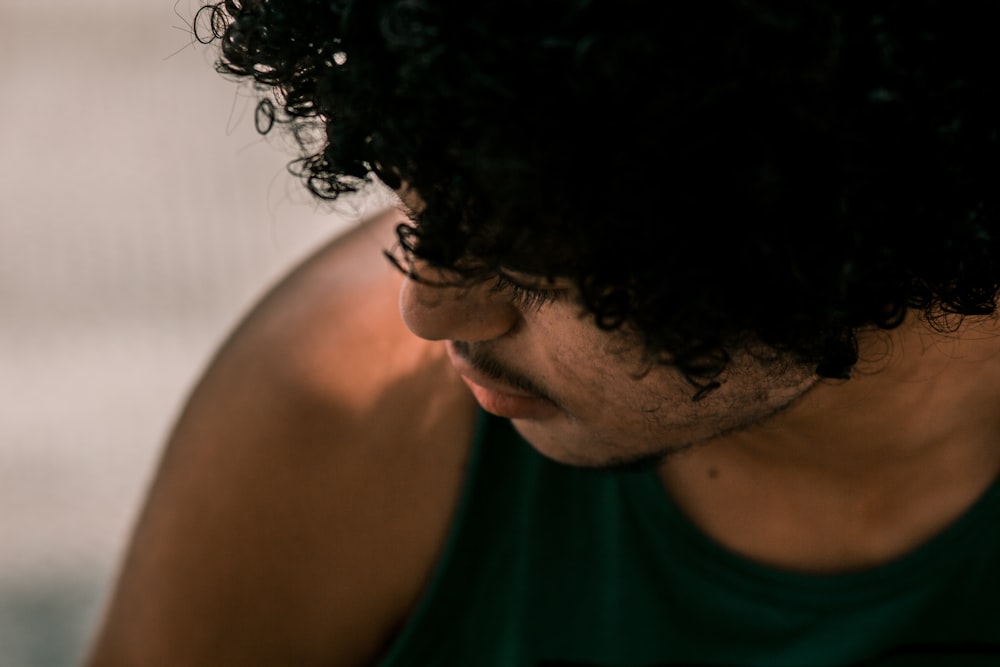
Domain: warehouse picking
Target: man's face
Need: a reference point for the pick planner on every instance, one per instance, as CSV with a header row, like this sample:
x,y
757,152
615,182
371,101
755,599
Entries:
x,y
580,395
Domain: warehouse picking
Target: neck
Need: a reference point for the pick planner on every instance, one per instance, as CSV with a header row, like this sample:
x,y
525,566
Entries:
x,y
857,472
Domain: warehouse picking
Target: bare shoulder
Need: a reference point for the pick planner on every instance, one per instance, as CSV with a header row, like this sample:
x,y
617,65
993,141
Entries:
x,y
308,487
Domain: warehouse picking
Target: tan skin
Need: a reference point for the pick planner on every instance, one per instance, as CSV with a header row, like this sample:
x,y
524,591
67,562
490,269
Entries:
x,y
860,472
307,489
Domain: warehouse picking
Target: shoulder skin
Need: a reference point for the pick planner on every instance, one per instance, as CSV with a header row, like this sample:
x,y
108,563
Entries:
x,y
307,489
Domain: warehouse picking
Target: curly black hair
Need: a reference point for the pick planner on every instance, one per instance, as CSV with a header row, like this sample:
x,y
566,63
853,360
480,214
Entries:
x,y
709,174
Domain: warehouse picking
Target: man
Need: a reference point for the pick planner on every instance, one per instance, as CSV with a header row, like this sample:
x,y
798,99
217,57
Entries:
x,y
741,259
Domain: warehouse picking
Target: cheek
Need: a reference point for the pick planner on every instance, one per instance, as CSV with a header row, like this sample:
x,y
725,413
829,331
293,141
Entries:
x,y
566,347
600,375
599,387
583,372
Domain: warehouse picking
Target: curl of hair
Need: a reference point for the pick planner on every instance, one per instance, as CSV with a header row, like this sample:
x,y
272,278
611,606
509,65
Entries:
x,y
706,174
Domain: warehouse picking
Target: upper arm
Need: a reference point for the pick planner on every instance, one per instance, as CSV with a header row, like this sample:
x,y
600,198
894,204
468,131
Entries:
x,y
306,490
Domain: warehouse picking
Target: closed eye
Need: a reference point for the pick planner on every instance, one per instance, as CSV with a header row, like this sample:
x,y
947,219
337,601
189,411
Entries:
x,y
525,298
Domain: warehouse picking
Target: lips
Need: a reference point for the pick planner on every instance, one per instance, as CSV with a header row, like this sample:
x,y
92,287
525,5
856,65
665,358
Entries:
x,y
497,398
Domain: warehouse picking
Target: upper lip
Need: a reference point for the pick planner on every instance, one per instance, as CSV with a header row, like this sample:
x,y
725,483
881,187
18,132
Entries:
x,y
475,376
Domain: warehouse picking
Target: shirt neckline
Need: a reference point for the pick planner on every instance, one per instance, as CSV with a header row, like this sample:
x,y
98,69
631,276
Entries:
x,y
673,531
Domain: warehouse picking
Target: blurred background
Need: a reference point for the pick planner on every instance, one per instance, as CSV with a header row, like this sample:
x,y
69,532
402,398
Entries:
x,y
140,216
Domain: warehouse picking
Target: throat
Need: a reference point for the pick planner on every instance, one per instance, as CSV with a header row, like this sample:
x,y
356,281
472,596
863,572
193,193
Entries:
x,y
809,524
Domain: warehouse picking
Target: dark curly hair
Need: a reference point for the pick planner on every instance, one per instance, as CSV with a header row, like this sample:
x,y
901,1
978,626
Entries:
x,y
713,175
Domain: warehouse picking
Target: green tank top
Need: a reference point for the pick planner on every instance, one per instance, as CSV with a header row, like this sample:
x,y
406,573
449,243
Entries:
x,y
548,565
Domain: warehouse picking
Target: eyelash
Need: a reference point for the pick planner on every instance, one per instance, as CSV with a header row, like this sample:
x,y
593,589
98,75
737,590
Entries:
x,y
525,298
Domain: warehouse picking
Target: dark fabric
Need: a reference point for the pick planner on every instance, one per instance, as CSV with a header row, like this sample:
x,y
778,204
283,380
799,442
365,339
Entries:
x,y
553,566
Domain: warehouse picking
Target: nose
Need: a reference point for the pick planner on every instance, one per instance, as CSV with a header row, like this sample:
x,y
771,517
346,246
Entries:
x,y
438,311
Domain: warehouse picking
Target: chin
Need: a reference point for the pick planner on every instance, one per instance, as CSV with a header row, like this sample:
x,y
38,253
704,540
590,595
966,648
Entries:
x,y
584,451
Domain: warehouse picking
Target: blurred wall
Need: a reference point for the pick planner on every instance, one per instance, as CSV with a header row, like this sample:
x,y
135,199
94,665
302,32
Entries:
x,y
140,215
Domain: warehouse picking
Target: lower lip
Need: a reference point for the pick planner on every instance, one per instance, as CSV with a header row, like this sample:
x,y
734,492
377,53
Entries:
x,y
511,406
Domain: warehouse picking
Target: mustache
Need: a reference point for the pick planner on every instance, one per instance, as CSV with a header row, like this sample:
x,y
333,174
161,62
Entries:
x,y
489,366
